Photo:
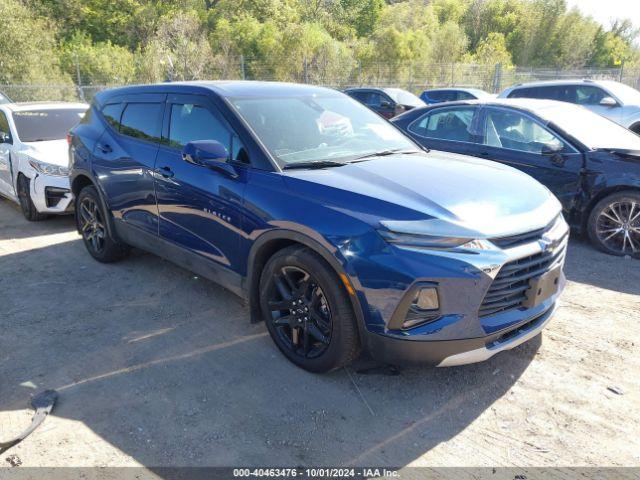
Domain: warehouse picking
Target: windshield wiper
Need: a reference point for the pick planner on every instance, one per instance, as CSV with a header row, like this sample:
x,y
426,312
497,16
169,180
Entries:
x,y
385,153
314,164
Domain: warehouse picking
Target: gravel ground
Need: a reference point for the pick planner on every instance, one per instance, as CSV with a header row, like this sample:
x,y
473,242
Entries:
x,y
155,367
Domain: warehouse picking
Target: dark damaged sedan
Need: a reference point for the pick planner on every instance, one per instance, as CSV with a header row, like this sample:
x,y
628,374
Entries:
x,y
589,162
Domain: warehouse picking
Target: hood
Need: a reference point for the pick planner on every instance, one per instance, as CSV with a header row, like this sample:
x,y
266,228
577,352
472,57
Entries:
x,y
452,194
55,152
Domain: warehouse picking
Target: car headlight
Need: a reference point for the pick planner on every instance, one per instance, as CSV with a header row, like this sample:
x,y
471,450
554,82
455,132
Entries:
x,y
49,168
423,235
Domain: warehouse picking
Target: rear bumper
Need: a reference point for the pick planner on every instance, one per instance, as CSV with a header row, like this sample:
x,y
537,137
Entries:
x,y
449,353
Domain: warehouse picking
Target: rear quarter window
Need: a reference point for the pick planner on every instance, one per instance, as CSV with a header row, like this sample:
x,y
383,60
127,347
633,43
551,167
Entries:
x,y
142,121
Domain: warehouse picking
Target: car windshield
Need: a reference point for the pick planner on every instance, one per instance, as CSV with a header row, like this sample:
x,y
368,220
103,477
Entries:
x,y
46,124
319,127
591,129
403,97
626,94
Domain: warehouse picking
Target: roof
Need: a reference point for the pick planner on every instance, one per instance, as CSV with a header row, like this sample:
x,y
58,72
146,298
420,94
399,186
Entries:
x,y
458,89
559,82
531,105
223,88
22,106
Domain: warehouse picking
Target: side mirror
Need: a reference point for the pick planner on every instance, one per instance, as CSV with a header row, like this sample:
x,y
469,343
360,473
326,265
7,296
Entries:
x,y
210,154
385,104
608,102
552,148
5,138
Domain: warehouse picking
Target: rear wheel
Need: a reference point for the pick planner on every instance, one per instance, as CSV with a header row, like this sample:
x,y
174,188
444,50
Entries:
x,y
307,311
26,203
614,224
92,225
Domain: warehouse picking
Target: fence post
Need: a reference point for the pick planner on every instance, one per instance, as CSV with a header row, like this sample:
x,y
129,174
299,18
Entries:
x,y
242,67
621,74
79,79
497,78
305,70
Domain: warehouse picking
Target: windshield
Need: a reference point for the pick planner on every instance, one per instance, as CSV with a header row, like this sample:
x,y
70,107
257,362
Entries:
x,y
626,94
404,98
46,124
318,127
591,129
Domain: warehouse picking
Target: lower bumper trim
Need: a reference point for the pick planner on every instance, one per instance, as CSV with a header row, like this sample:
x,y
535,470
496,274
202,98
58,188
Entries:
x,y
511,340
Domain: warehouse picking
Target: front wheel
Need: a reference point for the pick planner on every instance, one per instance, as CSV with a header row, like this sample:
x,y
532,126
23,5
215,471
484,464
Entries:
x,y
614,224
91,219
307,311
27,206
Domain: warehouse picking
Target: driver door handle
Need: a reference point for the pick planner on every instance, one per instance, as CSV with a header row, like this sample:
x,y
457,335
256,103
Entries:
x,y
166,172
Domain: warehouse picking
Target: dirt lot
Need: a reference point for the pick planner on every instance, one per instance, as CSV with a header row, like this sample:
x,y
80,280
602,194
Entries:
x,y
157,367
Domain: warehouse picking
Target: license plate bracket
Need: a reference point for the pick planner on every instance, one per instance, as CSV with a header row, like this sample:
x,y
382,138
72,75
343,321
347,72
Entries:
x,y
542,287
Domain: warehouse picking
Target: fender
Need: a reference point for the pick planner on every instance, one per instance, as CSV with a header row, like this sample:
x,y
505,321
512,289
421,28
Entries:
x,y
322,247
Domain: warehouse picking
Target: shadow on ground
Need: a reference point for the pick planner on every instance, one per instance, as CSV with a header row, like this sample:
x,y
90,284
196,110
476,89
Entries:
x,y
167,368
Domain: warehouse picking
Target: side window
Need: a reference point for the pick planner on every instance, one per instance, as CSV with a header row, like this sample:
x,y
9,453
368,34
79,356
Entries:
x,y
588,95
515,131
374,99
142,120
360,96
4,124
465,96
191,122
454,123
111,113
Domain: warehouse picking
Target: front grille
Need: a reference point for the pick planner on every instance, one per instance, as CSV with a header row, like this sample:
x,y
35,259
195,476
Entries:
x,y
508,288
522,238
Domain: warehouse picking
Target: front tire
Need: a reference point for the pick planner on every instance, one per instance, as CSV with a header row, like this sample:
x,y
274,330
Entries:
x,y
91,219
307,311
29,210
614,224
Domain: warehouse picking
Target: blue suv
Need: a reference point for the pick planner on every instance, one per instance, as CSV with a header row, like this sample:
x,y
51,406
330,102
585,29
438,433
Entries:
x,y
341,233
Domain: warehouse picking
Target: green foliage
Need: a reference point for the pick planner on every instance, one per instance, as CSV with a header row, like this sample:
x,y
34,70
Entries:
x,y
122,41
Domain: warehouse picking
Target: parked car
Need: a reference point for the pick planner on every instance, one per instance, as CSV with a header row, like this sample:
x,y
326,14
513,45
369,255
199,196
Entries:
x,y
388,102
33,156
339,230
440,95
590,163
616,101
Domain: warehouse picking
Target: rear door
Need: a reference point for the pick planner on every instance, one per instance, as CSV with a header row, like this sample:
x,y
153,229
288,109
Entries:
x,y
448,128
200,208
125,156
520,140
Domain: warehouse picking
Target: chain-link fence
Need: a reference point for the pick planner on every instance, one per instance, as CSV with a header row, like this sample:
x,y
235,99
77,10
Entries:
x,y
412,77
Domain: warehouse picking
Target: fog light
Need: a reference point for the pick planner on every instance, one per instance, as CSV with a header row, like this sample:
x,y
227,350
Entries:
x,y
426,299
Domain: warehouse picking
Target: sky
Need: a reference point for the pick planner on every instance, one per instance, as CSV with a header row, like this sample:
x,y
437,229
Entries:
x,y
606,10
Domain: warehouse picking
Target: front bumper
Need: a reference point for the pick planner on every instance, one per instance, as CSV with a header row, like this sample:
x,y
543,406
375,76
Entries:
x,y
472,324
51,194
449,353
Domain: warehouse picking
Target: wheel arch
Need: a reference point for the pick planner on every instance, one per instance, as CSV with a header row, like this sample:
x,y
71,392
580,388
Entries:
x,y
272,242
635,127
83,180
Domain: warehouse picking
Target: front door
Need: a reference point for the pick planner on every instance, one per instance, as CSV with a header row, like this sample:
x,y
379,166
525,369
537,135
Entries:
x,y
199,207
517,139
6,184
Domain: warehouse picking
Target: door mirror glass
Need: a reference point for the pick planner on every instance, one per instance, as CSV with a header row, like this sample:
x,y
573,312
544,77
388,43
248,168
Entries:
x,y
608,102
206,153
385,104
552,148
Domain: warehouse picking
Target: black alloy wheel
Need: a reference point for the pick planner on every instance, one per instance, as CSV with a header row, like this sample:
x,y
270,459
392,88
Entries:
x,y
307,310
300,312
92,225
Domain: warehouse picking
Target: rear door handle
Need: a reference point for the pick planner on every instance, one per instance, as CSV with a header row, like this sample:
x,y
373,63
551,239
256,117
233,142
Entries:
x,y
166,172
104,148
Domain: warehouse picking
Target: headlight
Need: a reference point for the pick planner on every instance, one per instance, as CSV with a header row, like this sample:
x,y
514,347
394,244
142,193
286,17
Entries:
x,y
432,234
49,169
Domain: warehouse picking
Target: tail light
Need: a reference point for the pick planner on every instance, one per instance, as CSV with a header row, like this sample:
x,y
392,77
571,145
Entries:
x,y
69,138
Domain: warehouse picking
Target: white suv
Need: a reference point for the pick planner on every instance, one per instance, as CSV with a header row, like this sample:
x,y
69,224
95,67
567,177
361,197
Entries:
x,y
616,101
34,156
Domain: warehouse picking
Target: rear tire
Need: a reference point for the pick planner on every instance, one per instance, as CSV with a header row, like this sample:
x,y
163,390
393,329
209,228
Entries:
x,y
614,224
29,210
91,219
307,311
